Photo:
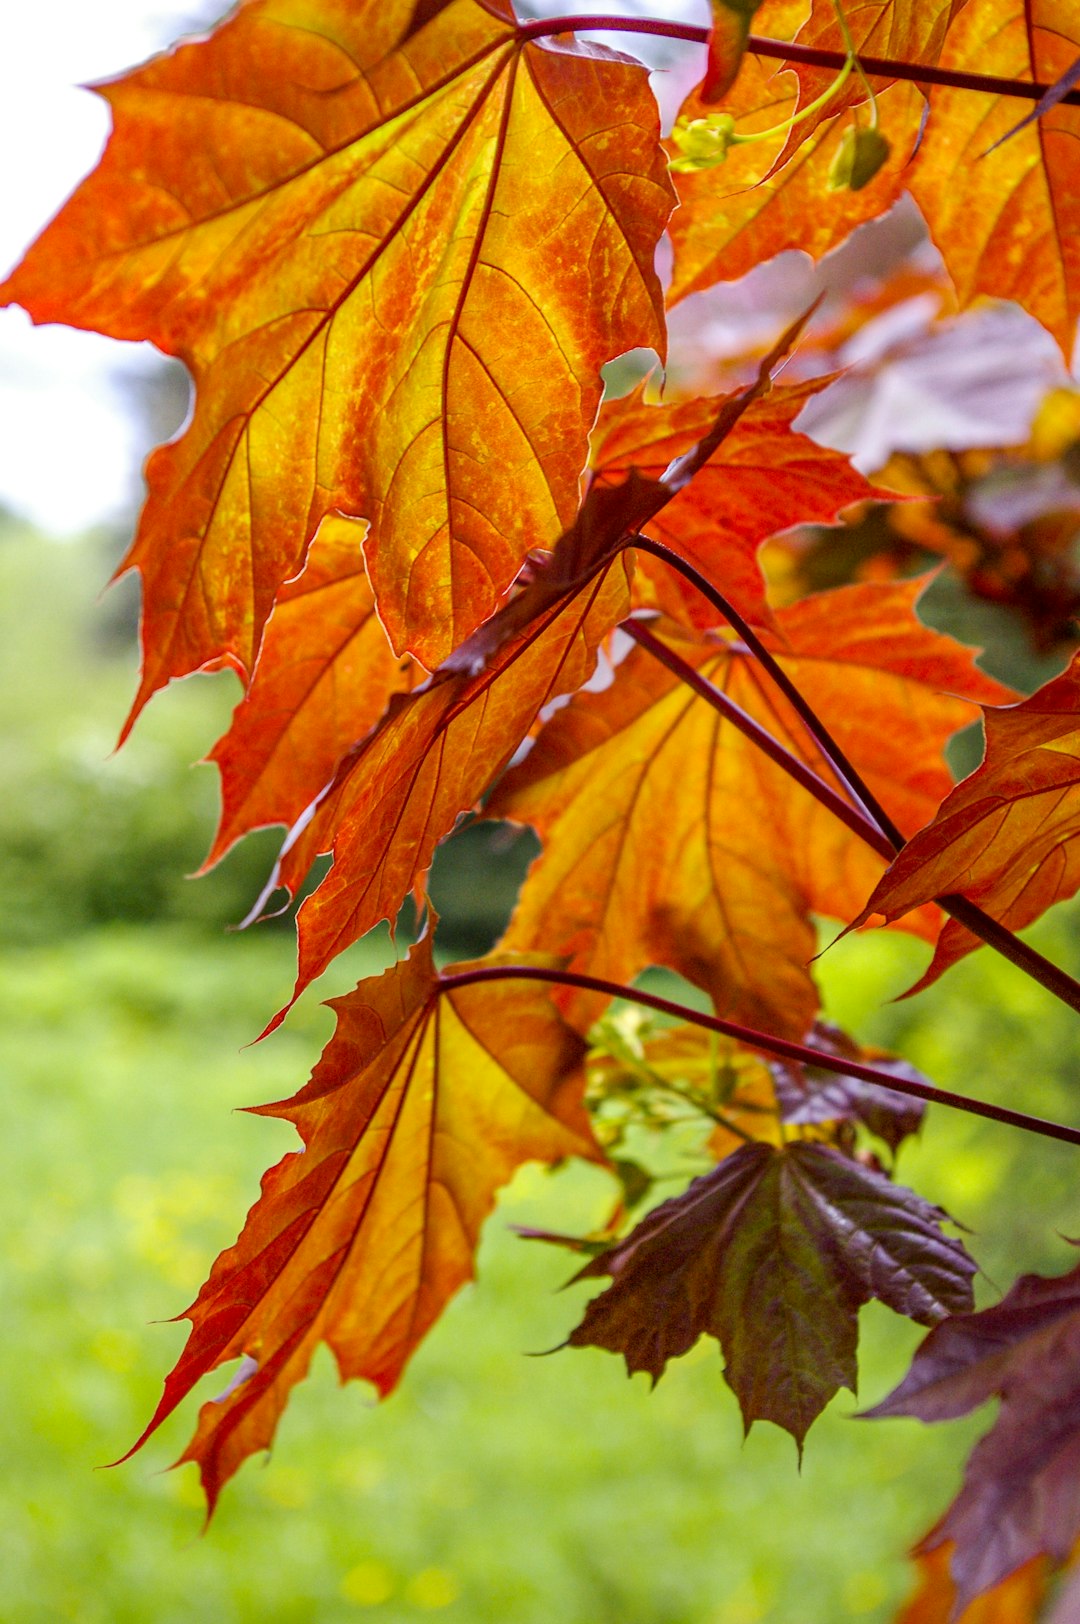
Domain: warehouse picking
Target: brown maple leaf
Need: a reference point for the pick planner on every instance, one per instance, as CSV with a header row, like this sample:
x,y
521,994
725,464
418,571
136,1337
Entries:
x,y
774,1253
425,1101
1020,1497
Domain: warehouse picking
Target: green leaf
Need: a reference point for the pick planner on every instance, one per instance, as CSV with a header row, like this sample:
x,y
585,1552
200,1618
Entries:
x,y
774,1253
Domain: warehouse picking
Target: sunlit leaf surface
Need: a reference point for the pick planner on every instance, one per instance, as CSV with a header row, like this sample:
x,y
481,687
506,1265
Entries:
x,y
670,839
424,1102
395,259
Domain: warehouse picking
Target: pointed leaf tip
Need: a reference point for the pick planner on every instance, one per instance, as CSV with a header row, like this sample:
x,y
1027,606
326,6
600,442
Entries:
x,y
425,1102
773,1253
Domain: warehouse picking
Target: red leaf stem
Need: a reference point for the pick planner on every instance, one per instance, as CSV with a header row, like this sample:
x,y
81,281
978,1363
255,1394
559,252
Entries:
x,y
805,1053
880,67
855,820
995,935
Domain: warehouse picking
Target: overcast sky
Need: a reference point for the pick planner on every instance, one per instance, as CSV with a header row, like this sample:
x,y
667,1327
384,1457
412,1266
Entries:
x,y
59,389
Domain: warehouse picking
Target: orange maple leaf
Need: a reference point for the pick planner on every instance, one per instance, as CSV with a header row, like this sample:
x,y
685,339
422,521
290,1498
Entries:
x,y
732,217
670,839
1008,837
431,758
323,678
904,31
425,1101
1007,222
763,478
395,246
436,750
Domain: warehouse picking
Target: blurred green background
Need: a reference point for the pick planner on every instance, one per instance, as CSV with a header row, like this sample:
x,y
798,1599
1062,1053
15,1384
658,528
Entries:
x,y
492,1486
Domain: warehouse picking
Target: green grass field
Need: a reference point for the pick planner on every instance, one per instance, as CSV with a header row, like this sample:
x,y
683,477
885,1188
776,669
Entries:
x,y
493,1486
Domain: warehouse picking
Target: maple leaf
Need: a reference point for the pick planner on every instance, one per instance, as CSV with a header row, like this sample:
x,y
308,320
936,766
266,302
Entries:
x,y
1019,1497
719,880
435,752
1007,837
1006,221
731,218
808,1094
773,1253
394,245
431,758
324,675
425,1101
763,477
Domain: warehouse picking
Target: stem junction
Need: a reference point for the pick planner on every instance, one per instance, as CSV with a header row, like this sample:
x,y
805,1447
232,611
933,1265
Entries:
x,y
804,1053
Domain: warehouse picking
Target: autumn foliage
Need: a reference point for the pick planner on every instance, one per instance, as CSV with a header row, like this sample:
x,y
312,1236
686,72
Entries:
x,y
395,242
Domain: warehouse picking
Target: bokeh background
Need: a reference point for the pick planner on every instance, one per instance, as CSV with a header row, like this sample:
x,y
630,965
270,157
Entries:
x,y
494,1486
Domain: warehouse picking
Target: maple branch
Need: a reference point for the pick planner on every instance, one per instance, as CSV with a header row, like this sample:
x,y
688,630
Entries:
x,y
855,820
1003,941
877,67
863,797
884,67
541,27
804,1053
961,908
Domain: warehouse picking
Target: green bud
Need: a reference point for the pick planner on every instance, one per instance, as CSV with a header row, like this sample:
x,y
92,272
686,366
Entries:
x,y
703,142
859,157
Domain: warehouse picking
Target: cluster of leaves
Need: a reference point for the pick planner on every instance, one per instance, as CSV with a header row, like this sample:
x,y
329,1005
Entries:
x,y
395,241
